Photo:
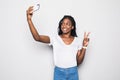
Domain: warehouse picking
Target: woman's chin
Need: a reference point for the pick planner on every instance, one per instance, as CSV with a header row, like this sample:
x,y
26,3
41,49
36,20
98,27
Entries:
x,y
65,32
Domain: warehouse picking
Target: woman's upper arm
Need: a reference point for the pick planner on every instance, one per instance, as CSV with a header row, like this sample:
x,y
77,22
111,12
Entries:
x,y
44,39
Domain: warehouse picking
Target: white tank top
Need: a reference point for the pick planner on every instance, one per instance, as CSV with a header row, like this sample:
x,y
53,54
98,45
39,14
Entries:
x,y
65,55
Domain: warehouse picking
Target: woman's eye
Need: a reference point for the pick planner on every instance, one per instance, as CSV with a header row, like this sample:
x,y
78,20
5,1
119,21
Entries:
x,y
68,24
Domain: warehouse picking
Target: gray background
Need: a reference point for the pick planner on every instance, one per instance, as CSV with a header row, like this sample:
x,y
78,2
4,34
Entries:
x,y
22,58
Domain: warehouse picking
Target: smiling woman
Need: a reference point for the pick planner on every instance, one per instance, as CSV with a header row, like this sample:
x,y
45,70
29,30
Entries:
x,y
68,49
68,22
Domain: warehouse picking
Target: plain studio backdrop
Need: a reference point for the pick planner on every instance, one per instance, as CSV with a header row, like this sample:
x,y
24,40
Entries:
x,y
22,58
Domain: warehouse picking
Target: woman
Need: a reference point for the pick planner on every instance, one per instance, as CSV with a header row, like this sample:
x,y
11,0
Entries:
x,y
67,47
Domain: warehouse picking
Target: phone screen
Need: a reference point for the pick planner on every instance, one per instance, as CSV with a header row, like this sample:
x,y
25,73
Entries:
x,y
36,7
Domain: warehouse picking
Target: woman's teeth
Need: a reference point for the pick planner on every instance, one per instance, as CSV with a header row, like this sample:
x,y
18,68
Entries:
x,y
64,29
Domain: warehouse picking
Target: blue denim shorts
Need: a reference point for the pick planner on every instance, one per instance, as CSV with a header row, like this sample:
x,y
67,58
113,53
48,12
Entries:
x,y
66,73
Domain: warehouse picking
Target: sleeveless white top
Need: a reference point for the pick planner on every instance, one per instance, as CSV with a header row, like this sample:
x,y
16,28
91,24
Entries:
x,y
65,55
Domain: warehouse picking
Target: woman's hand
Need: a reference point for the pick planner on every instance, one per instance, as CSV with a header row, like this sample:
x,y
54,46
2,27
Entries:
x,y
29,12
86,39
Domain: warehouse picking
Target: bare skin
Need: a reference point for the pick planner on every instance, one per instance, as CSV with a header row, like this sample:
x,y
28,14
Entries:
x,y
35,34
66,28
81,53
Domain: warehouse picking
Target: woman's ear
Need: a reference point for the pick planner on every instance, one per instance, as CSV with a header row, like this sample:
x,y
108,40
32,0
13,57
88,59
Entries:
x,y
72,27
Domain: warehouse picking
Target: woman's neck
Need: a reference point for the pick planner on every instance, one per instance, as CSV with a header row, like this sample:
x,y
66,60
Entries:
x,y
66,35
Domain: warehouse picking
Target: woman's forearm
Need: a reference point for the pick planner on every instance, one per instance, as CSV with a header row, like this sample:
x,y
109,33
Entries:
x,y
33,29
80,57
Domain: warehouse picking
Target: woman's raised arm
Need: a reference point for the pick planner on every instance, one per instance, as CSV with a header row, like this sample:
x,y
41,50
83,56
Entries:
x,y
35,34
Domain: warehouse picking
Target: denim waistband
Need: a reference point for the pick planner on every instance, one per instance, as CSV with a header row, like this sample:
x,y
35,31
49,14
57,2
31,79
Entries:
x,y
70,73
64,69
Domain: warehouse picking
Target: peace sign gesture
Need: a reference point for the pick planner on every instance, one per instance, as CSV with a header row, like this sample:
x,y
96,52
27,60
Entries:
x,y
86,39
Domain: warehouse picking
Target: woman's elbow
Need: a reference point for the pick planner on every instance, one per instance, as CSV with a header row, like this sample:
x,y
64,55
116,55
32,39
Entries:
x,y
36,38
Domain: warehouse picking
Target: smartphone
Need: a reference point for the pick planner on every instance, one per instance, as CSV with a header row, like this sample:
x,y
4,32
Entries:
x,y
36,7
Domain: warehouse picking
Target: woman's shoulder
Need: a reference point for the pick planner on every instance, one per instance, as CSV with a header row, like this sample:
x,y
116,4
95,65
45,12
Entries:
x,y
78,39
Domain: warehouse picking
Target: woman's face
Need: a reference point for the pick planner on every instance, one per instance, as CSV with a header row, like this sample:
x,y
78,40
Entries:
x,y
66,26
